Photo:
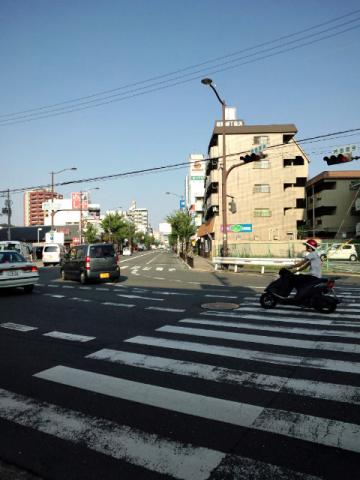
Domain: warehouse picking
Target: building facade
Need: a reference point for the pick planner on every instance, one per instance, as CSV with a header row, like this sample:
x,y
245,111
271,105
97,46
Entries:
x,y
139,216
33,200
266,198
333,204
194,188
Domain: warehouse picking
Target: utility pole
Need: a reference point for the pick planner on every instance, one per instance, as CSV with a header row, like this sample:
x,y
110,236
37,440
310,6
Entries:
x,y
7,210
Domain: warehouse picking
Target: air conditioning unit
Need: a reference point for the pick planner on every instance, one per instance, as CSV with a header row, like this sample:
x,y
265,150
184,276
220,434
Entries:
x,y
215,209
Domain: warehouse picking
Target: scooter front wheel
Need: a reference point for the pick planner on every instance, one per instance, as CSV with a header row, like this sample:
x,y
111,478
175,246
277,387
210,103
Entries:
x,y
267,300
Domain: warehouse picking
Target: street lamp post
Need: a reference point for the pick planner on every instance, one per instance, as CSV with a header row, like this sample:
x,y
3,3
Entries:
x,y
209,82
52,192
38,236
81,211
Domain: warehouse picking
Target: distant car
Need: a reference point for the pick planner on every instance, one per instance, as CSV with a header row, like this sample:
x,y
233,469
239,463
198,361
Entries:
x,y
339,251
16,271
94,261
126,251
52,254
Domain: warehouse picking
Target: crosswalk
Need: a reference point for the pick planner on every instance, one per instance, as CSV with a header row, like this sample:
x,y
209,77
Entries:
x,y
286,378
136,268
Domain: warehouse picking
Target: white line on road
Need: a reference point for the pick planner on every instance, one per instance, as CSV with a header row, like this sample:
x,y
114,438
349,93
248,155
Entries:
x,y
68,286
140,297
296,313
53,295
328,332
148,450
170,293
262,339
166,309
221,296
159,269
68,336
17,326
114,304
310,428
293,386
80,299
253,355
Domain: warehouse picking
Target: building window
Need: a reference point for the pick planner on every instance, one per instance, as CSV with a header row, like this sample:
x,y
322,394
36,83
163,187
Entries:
x,y
259,140
261,188
262,212
261,164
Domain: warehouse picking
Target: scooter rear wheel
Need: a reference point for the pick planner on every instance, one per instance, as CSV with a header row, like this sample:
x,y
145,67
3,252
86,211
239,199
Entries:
x,y
325,304
267,300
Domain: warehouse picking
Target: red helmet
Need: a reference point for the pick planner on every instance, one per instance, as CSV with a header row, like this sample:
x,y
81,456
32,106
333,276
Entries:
x,y
311,243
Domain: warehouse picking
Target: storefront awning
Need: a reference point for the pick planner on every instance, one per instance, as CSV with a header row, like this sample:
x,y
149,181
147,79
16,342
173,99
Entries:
x,y
206,228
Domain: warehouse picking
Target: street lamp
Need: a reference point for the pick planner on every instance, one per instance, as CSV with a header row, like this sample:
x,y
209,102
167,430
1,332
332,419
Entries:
x,y
81,210
209,82
52,192
38,231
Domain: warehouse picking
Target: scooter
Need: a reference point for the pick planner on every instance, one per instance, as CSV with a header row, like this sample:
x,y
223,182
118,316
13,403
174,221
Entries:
x,y
312,292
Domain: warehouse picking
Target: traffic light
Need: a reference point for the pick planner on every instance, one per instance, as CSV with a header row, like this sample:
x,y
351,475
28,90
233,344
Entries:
x,y
341,158
232,206
253,157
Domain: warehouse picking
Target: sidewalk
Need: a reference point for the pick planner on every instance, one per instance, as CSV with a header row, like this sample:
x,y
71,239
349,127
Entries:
x,y
203,264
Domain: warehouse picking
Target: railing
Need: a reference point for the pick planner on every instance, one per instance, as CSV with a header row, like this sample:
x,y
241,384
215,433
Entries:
x,y
220,262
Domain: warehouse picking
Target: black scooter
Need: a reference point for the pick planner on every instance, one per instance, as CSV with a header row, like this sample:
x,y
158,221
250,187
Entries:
x,y
312,292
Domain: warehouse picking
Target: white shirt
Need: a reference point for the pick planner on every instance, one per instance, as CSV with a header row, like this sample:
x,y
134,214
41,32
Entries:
x,y
315,264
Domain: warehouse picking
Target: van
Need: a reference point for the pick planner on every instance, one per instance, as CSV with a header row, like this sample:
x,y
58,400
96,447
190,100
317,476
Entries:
x,y
21,247
52,254
91,261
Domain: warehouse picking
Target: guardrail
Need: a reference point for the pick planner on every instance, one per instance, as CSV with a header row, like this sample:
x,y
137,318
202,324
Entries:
x,y
262,262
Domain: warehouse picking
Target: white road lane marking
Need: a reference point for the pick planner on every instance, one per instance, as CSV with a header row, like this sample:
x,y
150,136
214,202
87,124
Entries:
x,y
114,304
262,339
140,297
267,318
310,388
170,293
68,336
86,300
328,332
252,355
84,288
124,267
147,268
163,309
53,295
68,286
17,326
290,308
159,269
101,289
162,455
297,313
221,296
310,428
50,285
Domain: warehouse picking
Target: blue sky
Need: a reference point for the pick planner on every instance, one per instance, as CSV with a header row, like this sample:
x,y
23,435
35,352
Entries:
x,y
55,51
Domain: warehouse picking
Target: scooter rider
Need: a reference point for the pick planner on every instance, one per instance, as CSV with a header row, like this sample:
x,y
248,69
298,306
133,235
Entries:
x,y
312,259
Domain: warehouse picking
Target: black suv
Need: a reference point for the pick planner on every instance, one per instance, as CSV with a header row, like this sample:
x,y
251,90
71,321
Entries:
x,y
93,261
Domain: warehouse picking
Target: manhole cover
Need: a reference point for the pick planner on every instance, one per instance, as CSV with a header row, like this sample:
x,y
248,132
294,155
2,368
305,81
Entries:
x,y
220,306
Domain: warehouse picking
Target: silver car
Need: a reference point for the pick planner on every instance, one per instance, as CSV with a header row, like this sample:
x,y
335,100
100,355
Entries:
x,y
16,271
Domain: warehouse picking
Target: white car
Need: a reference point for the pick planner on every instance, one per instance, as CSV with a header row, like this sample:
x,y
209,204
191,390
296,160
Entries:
x,y
15,271
126,251
339,251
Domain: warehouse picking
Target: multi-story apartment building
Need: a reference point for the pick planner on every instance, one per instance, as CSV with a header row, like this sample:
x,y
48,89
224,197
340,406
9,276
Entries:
x,y
139,216
33,200
333,204
269,194
194,188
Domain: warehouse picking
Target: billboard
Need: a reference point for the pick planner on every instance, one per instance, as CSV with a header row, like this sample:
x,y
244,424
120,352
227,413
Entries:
x,y
79,200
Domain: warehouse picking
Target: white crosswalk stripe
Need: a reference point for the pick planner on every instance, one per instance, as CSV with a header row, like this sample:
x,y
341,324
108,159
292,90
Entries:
x,y
314,360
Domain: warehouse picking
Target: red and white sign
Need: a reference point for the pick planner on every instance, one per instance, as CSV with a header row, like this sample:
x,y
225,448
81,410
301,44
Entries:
x,y
79,200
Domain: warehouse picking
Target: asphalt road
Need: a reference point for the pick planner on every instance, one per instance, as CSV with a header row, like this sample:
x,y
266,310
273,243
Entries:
x,y
136,380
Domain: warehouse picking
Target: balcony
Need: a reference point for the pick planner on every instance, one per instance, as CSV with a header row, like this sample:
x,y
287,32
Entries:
x,y
212,164
213,188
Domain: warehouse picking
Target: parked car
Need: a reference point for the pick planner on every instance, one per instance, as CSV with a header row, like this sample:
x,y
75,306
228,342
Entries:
x,y
52,254
339,251
21,247
126,251
16,271
92,261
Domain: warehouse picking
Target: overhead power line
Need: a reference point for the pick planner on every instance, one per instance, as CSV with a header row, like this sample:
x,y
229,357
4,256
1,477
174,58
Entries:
x,y
170,167
180,77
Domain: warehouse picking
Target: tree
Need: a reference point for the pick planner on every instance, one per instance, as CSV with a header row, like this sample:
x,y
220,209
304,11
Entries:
x,y
114,227
182,228
90,233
